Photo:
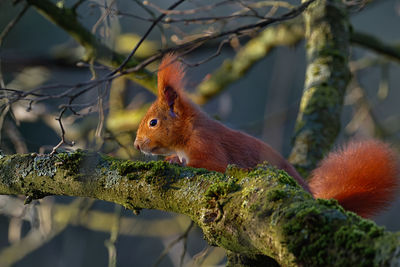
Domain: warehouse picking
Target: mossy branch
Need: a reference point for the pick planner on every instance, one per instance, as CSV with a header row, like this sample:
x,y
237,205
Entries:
x,y
258,212
318,122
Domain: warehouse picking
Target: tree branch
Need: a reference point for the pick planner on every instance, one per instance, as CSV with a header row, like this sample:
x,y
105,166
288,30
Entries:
x,y
258,212
318,122
373,43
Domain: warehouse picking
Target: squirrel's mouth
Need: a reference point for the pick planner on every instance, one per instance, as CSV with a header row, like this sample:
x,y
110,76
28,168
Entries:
x,y
149,152
158,151
154,150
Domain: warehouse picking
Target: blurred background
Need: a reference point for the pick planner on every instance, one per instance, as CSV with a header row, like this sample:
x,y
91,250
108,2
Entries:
x,y
35,53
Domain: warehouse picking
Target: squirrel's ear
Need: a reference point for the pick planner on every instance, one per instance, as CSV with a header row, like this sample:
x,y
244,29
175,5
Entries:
x,y
170,95
170,80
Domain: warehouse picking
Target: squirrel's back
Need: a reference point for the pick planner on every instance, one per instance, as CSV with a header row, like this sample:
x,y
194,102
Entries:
x,y
235,147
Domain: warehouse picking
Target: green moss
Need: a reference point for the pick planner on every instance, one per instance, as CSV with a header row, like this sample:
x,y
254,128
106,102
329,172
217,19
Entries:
x,y
284,178
126,167
233,244
253,207
322,98
276,195
309,229
235,171
34,194
316,70
371,229
221,189
261,170
335,211
155,172
302,218
158,173
264,212
328,202
355,240
71,161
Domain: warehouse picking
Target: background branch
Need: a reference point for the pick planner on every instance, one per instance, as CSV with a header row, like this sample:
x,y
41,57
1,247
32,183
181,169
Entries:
x,y
371,42
327,76
253,51
66,19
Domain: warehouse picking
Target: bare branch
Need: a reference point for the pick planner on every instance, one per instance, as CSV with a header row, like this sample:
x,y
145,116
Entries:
x,y
373,43
63,140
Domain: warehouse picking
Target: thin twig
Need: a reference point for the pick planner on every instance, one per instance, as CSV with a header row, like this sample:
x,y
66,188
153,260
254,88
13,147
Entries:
x,y
173,243
12,23
110,243
238,31
77,4
143,38
63,141
107,12
216,54
187,12
152,14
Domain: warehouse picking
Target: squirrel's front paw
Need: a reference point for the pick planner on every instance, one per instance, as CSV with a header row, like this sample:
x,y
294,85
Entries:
x,y
175,159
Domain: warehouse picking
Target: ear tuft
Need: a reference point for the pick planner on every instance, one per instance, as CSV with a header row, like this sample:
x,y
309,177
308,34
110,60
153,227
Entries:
x,y
170,96
170,74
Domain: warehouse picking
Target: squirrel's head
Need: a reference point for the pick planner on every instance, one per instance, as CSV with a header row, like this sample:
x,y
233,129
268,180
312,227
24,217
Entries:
x,y
162,129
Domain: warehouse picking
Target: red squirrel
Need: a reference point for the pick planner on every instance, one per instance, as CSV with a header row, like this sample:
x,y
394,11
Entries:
x,y
362,176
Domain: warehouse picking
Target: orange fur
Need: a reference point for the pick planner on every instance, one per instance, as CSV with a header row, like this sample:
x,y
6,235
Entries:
x,y
362,177
170,73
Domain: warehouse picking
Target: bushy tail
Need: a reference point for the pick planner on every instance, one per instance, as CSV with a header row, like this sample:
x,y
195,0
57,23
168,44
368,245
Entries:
x,y
362,176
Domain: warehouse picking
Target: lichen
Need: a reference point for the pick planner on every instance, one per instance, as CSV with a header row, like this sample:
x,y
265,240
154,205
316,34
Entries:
x,y
25,169
44,166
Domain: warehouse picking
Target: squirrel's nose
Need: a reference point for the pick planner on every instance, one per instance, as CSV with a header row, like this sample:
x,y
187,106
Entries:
x,y
136,144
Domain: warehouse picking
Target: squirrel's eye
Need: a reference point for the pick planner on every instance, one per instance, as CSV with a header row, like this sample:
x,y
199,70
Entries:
x,y
153,122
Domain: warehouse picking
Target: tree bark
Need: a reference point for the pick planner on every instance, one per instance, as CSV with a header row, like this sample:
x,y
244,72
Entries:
x,y
327,43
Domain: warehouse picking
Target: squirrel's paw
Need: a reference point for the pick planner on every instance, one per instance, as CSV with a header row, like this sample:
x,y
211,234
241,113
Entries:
x,y
175,159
